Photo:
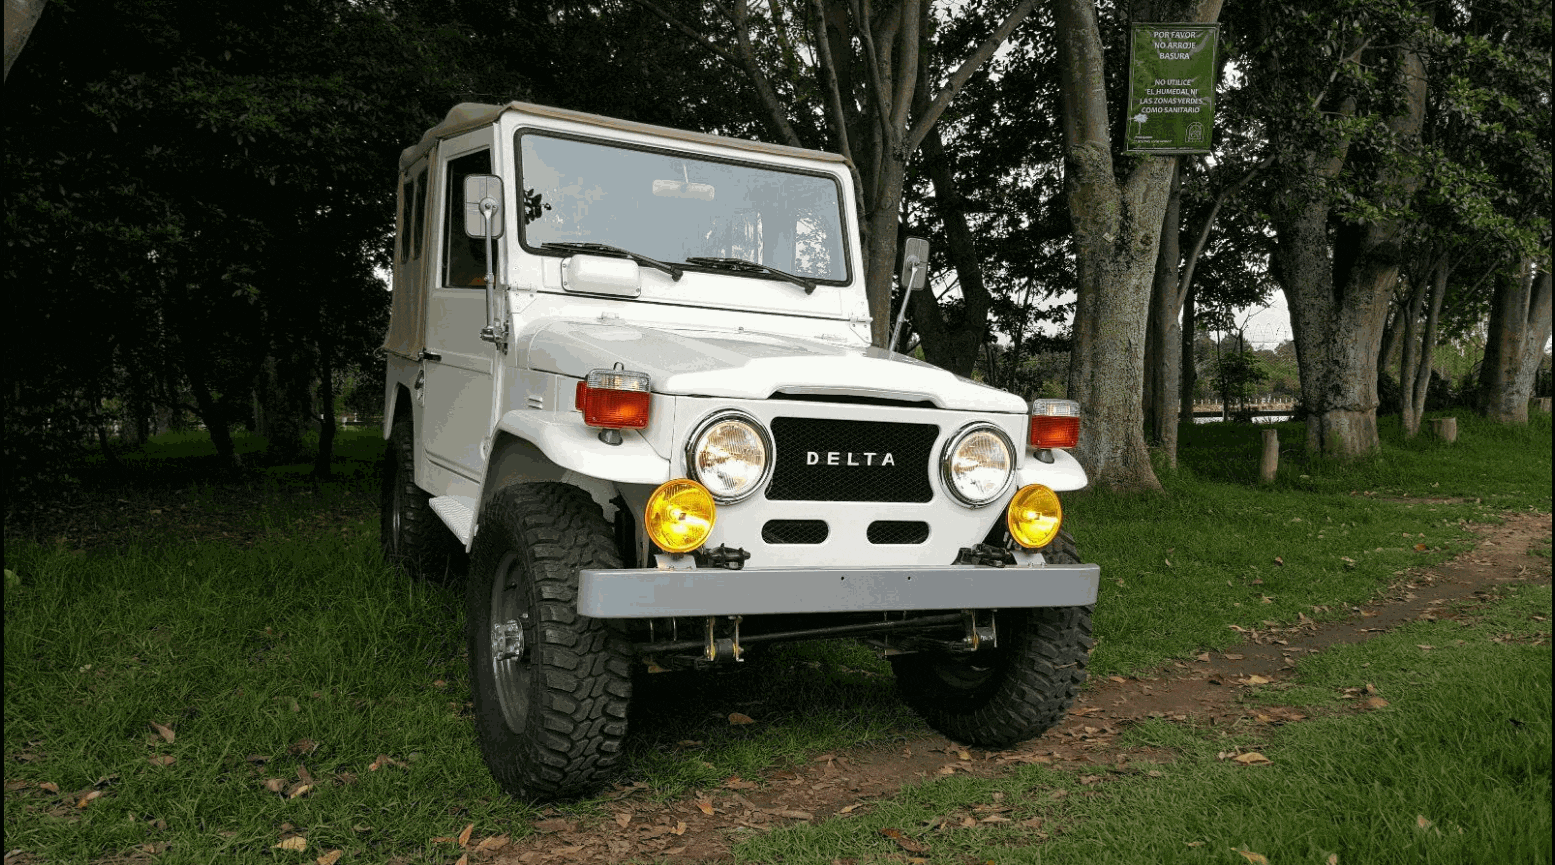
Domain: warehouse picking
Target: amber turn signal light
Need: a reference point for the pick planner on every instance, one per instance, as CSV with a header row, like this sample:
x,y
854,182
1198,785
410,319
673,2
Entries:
x,y
614,399
1055,423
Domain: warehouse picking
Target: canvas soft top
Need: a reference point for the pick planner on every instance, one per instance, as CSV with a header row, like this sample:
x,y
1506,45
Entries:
x,y
470,115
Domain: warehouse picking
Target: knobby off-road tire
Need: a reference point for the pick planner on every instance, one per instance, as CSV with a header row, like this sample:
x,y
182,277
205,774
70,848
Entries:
x,y
413,536
551,686
998,697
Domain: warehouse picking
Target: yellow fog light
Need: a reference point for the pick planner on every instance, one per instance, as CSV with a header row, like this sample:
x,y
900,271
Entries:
x,y
679,515
1034,516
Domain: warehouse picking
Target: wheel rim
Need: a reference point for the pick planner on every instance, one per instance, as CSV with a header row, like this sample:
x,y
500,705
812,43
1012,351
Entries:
x,y
512,642
396,505
963,674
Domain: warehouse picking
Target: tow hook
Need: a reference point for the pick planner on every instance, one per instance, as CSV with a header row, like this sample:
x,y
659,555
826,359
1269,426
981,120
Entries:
x,y
987,555
722,556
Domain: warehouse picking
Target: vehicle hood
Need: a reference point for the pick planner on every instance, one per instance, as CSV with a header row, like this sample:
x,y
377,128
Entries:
x,y
751,365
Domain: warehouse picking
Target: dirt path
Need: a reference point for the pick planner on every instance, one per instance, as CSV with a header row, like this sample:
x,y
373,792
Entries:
x,y
1208,690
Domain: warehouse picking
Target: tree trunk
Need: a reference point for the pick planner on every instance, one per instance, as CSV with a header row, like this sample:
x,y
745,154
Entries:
x,y
952,344
213,415
1415,369
1189,377
1339,302
1519,325
1163,341
20,17
321,461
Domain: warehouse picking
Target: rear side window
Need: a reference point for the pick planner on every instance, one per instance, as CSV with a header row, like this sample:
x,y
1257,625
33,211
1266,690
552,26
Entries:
x,y
464,257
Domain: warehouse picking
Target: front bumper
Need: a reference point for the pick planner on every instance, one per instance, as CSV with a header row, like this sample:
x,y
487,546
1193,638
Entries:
x,y
639,593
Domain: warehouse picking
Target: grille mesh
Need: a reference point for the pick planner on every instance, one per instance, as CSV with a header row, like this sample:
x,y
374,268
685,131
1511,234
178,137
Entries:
x,y
898,532
794,531
825,460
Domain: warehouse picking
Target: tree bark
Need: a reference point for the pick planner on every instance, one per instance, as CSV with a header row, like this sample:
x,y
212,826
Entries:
x,y
1419,352
1163,341
1519,325
1339,301
952,343
326,451
1117,233
1189,376
20,17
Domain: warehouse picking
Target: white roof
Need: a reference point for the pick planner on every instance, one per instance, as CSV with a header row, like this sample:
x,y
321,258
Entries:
x,y
470,115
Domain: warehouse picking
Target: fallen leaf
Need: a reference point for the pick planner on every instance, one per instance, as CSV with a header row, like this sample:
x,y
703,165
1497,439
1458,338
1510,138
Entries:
x,y
163,760
623,818
792,814
1421,822
1257,680
680,827
464,859
1255,858
330,858
1376,702
294,843
738,719
1425,647
1118,679
165,732
275,785
298,790
302,746
464,837
846,809
904,842
1251,758
87,799
556,824
1279,561
1333,859
496,842
735,783
705,806
49,786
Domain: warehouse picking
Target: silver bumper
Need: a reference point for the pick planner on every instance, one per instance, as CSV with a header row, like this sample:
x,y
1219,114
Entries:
x,y
650,592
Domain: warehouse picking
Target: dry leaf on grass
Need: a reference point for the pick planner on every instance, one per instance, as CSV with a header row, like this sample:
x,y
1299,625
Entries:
x,y
738,719
904,842
275,785
294,843
1375,702
330,858
1251,758
87,799
705,806
1421,822
163,760
298,790
1255,858
495,842
464,837
49,786
165,732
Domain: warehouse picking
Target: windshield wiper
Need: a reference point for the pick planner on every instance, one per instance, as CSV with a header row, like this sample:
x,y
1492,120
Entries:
x,y
674,272
740,264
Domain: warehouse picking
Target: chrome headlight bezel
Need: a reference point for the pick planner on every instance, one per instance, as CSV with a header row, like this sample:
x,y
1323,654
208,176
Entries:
x,y
694,446
954,443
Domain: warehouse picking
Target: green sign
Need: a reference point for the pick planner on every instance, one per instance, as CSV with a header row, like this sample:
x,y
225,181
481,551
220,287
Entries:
x,y
1171,92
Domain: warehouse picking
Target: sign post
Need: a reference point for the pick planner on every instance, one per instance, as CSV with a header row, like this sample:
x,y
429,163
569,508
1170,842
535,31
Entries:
x,y
1171,93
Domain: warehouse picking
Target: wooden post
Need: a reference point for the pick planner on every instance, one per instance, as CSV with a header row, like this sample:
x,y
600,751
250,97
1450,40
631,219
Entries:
x,y
1445,428
1270,463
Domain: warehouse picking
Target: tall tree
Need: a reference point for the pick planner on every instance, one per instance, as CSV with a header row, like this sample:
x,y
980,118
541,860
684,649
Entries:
x,y
1117,231
1519,327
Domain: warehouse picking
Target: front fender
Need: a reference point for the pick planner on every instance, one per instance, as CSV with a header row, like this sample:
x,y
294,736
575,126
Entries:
x,y
1063,474
571,445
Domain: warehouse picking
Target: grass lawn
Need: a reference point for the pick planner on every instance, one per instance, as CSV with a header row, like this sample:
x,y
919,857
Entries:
x,y
306,691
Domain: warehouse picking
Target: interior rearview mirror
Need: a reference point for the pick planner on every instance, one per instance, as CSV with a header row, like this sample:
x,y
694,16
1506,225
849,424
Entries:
x,y
482,197
915,264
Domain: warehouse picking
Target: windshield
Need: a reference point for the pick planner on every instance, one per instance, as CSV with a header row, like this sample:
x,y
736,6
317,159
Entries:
x,y
673,206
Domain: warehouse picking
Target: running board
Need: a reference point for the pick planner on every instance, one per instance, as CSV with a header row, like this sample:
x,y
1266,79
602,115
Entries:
x,y
458,512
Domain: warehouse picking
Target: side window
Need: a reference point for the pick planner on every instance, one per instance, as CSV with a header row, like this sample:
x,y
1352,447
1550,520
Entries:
x,y
418,211
464,257
407,198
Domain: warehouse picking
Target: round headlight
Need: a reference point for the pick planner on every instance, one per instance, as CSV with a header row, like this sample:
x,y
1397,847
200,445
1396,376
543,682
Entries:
x,y
731,456
679,515
978,464
1034,516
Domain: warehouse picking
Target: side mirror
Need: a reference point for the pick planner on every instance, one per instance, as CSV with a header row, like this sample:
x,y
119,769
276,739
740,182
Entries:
x,y
482,200
915,264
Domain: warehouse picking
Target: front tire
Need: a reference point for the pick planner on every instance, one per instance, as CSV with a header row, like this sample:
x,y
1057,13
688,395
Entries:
x,y
996,698
551,686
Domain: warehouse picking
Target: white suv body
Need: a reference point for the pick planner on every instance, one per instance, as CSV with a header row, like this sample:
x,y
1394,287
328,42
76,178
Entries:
x,y
730,286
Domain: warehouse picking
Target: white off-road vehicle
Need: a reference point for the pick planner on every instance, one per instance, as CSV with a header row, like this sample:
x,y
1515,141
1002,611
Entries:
x,y
630,371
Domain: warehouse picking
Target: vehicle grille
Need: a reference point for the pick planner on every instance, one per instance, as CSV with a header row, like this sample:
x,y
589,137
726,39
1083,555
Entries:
x,y
825,460
795,531
898,532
